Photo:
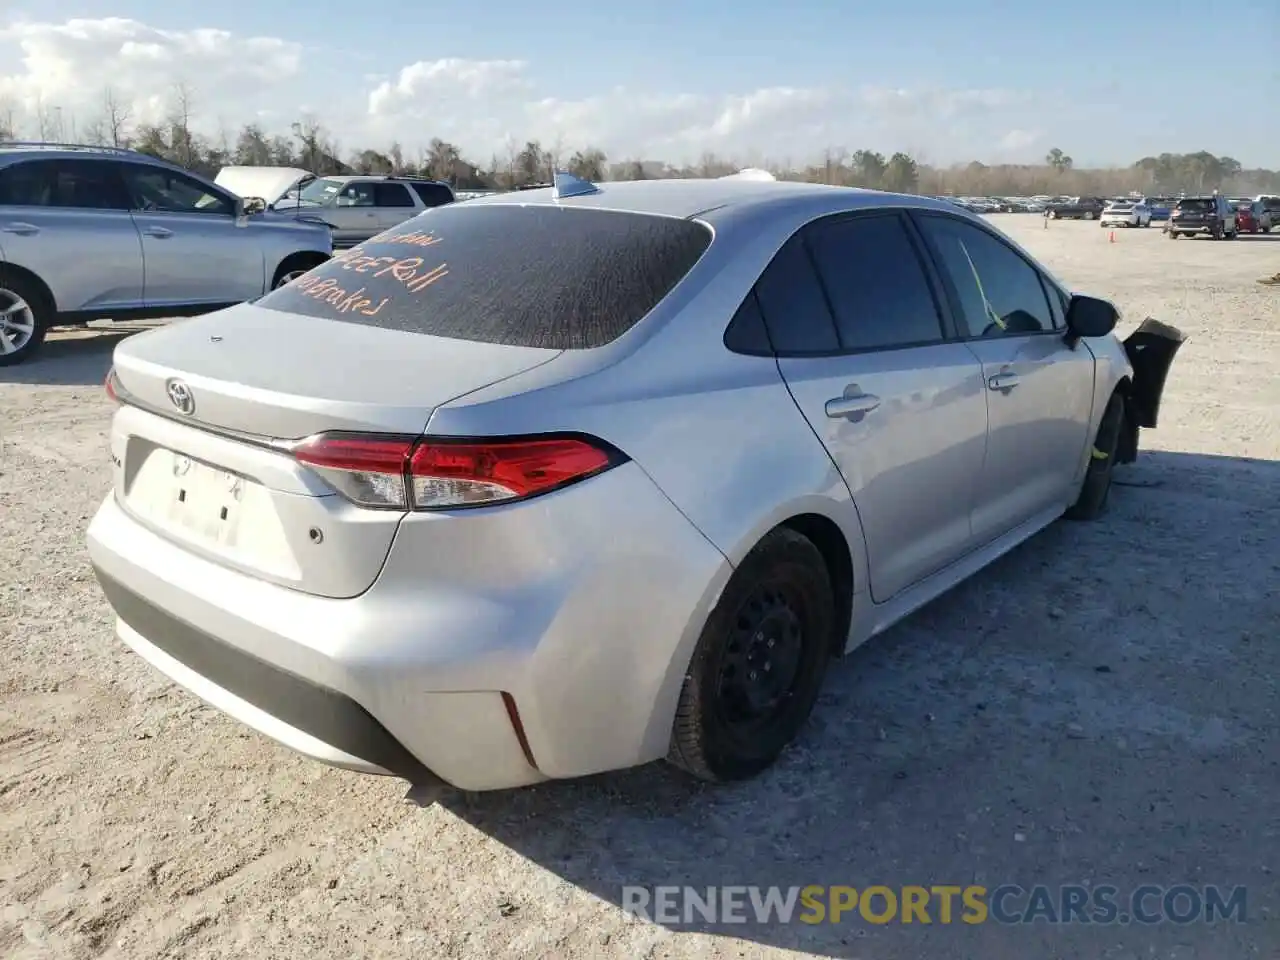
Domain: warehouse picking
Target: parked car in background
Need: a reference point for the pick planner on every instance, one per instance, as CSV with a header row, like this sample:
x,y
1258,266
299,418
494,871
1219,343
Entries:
x,y
359,207
88,233
1125,213
267,184
1270,206
1249,216
505,523
1213,216
1076,208
1161,207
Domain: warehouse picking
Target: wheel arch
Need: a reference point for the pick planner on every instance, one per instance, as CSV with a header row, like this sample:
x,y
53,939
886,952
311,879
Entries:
x,y
12,269
296,259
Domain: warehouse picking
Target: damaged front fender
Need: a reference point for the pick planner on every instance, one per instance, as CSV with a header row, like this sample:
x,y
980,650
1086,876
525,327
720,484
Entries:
x,y
1151,349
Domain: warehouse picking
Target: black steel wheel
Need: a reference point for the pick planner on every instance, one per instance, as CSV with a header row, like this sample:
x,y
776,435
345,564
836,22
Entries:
x,y
758,666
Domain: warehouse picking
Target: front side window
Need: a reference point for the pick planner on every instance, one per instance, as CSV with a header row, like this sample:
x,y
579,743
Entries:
x,y
1000,293
157,190
356,195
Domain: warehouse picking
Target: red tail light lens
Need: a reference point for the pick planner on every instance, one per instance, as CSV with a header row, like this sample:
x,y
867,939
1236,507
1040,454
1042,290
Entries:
x,y
109,385
442,474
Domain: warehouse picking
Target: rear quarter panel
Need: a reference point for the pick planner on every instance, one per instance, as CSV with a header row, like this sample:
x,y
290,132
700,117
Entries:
x,y
719,433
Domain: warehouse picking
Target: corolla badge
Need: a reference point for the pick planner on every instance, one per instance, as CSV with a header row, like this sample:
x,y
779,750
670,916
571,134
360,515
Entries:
x,y
180,396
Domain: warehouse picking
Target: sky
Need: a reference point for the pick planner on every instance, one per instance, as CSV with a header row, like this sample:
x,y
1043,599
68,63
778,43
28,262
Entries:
x,y
760,81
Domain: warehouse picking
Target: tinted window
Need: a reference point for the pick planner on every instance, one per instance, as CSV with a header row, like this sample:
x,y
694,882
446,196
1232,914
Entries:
x,y
536,276
433,194
877,286
1000,293
167,191
391,195
794,306
746,332
356,195
85,184
1202,206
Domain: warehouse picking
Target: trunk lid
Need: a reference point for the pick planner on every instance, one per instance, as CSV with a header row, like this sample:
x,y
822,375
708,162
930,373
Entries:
x,y
280,375
219,480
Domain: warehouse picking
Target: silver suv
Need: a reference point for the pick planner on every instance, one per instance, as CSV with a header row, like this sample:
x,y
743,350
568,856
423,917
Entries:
x,y
360,207
88,233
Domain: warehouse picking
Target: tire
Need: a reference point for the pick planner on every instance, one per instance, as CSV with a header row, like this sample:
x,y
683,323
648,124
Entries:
x,y
294,266
1173,234
25,313
782,587
1088,214
1102,462
1052,214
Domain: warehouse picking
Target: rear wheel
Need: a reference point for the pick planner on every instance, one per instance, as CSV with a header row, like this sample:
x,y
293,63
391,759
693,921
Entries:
x,y
1102,461
759,664
1088,214
24,318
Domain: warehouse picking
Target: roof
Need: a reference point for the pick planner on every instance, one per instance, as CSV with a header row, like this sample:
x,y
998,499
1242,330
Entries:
x,y
688,198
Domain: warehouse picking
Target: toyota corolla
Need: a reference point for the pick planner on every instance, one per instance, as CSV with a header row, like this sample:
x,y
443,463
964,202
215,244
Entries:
x,y
571,479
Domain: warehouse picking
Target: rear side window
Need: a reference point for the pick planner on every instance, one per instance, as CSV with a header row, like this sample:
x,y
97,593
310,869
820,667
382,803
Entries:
x,y
391,195
529,276
794,307
433,194
82,184
879,292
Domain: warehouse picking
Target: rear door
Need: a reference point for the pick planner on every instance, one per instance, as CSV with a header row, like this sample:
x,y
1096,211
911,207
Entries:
x,y
194,250
394,204
1039,391
67,221
862,346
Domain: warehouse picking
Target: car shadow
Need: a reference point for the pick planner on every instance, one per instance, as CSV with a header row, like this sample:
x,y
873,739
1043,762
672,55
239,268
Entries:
x,y
1024,728
73,358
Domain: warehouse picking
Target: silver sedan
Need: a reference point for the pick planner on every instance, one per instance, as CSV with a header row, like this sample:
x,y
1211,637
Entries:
x,y
573,479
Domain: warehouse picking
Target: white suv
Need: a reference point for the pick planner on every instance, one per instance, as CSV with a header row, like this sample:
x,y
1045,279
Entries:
x,y
359,207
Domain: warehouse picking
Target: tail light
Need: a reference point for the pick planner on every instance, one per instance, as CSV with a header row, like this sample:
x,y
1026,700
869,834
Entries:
x,y
109,385
433,473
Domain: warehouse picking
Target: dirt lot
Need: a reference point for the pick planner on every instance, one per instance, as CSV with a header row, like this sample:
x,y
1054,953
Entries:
x,y
1101,706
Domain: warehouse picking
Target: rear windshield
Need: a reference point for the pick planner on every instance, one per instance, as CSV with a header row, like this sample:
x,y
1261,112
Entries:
x,y
529,276
1195,204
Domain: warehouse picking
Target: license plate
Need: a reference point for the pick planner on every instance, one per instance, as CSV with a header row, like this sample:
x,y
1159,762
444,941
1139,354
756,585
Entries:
x,y
205,501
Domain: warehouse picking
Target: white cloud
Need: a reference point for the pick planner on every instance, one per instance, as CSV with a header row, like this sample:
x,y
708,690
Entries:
x,y
62,69
142,65
1015,141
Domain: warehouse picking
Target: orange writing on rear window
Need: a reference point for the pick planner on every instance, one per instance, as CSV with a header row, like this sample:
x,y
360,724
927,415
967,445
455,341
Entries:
x,y
344,301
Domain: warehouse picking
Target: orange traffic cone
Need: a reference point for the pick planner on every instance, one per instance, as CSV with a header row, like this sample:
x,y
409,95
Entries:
x,y
1113,236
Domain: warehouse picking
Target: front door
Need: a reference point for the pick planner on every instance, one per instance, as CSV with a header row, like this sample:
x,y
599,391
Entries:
x,y
1039,391
353,214
194,249
901,411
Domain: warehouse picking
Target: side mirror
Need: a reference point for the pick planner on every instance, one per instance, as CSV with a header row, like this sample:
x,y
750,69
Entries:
x,y
251,205
1090,317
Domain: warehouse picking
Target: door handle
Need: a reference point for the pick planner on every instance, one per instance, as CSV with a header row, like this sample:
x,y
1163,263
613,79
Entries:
x,y
1003,381
851,407
22,229
160,233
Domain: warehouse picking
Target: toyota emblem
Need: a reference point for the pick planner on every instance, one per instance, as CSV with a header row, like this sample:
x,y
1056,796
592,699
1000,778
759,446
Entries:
x,y
180,396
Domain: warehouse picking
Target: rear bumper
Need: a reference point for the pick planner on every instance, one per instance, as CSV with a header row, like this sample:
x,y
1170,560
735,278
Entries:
x,y
559,657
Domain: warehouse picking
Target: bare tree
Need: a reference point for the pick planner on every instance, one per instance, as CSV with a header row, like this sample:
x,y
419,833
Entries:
x,y
180,113
116,116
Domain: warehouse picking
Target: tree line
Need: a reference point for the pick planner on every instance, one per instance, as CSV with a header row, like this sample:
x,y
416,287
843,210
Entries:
x,y
311,146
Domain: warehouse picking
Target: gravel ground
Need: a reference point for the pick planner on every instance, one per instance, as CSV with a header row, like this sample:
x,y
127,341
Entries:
x,y
1100,706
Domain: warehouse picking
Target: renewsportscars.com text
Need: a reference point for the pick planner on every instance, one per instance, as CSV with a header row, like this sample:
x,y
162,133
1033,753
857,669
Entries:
x,y
945,904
